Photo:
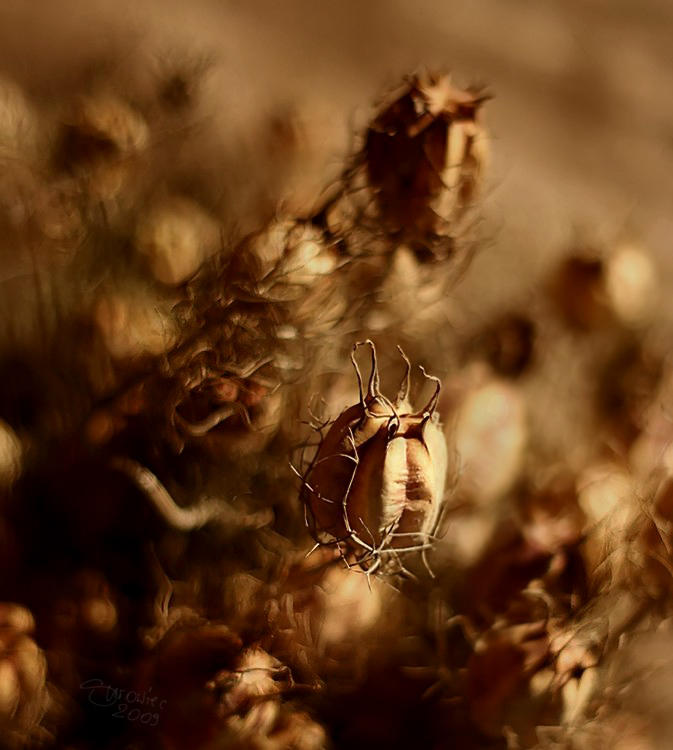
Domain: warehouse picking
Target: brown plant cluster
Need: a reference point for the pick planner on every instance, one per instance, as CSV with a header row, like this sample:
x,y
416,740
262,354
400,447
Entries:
x,y
219,529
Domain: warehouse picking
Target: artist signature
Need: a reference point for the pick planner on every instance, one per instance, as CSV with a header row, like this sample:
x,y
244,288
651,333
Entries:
x,y
126,702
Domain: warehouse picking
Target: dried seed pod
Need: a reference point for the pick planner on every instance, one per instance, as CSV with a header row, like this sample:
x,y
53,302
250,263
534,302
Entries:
x,y
425,153
376,484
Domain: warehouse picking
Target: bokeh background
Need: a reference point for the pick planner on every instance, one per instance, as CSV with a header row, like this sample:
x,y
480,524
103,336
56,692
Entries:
x,y
581,122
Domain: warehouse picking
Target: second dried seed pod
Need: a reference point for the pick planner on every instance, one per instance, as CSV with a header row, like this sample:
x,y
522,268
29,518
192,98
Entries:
x,y
425,154
376,484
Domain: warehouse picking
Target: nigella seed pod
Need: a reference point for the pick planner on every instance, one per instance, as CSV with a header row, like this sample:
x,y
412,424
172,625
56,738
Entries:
x,y
425,154
376,484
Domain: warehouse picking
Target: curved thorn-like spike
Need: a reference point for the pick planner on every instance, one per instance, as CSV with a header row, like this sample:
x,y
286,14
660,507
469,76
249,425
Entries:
x,y
315,547
374,383
358,375
405,385
373,386
432,403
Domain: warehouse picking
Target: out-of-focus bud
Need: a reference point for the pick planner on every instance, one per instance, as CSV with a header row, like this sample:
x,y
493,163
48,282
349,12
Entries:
x,y
18,121
101,144
579,293
489,432
351,607
290,253
298,731
251,698
630,283
591,289
11,456
409,299
176,236
508,344
607,495
105,121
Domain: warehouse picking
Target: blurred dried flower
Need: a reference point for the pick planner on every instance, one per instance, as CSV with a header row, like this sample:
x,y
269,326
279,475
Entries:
x,y
24,698
230,414
291,263
133,325
177,236
103,122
